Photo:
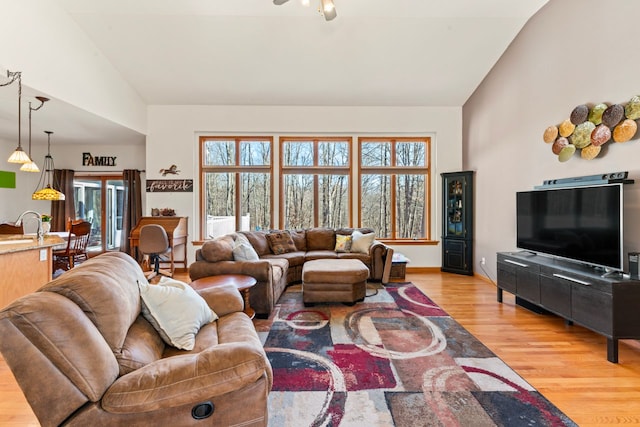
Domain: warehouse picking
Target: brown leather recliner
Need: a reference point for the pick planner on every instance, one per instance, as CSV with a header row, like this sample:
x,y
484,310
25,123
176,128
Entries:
x,y
84,355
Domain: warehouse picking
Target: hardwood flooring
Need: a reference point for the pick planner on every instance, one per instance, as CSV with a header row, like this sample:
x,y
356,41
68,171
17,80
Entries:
x,y
567,364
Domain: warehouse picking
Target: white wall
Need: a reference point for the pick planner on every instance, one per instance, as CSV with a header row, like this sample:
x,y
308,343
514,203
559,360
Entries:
x,y
40,39
570,53
173,139
64,64
69,156
174,131
65,156
14,201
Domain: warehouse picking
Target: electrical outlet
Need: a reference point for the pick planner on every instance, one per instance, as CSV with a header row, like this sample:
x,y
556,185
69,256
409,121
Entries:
x,y
483,261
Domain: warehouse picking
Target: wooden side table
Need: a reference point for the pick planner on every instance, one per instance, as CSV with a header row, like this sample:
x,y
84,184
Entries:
x,y
242,282
398,266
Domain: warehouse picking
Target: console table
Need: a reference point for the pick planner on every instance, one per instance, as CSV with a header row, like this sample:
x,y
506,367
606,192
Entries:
x,y
607,305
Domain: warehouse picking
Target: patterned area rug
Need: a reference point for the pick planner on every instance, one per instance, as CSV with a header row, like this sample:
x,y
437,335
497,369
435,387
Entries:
x,y
394,359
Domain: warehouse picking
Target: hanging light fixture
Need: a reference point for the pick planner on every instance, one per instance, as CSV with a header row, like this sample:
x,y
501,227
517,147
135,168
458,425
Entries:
x,y
47,191
18,156
327,8
31,166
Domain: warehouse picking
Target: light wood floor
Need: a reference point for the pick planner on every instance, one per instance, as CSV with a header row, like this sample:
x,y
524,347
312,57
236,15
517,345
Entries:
x,y
567,364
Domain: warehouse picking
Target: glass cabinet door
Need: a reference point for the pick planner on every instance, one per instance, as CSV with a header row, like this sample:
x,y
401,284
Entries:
x,y
455,188
457,222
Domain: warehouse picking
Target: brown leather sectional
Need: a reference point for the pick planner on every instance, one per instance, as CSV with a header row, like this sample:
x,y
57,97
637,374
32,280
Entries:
x,y
274,272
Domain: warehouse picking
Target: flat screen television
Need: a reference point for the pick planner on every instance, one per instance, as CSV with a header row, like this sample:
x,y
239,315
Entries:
x,y
582,224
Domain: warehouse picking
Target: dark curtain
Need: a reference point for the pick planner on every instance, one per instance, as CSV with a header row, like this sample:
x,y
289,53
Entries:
x,y
63,209
132,209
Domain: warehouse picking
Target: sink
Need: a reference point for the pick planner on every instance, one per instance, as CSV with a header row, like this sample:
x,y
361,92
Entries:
x,y
15,241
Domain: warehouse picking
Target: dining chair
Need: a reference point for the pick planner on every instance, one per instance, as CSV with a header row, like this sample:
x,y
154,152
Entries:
x,y
71,222
10,228
76,249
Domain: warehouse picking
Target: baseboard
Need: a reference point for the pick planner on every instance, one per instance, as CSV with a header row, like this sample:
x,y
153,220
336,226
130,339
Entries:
x,y
483,277
423,270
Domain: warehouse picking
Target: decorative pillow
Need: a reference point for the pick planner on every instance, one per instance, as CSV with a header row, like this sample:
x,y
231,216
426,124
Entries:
x,y
361,242
217,250
343,243
242,249
299,239
175,310
281,242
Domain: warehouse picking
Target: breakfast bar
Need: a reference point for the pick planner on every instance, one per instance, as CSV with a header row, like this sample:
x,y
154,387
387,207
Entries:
x,y
25,264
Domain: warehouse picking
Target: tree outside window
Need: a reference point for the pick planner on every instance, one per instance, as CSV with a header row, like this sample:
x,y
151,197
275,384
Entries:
x,y
315,188
394,187
315,181
236,184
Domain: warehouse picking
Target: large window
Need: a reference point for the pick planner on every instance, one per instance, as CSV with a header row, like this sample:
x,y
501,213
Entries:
x,y
236,184
394,187
315,184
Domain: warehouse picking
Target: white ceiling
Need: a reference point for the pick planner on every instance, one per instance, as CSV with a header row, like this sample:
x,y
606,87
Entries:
x,y
252,52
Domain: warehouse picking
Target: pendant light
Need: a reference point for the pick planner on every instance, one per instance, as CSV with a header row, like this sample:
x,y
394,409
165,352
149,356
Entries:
x,y
47,192
31,166
18,156
326,9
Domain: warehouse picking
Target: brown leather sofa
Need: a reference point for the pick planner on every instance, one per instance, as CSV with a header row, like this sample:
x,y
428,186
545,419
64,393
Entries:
x,y
84,355
274,272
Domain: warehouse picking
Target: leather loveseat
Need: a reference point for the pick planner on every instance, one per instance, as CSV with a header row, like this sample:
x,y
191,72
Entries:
x,y
275,271
84,355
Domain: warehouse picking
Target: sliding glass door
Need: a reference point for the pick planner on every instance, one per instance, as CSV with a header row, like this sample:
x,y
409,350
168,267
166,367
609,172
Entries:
x,y
100,200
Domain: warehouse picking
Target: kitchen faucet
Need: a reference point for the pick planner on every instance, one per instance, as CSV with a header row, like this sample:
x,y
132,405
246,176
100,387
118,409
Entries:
x,y
39,233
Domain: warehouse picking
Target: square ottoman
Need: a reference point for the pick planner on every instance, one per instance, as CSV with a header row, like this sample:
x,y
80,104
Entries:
x,y
334,280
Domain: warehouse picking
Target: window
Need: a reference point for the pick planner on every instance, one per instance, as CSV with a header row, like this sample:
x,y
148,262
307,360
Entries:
x,y
315,184
394,187
236,178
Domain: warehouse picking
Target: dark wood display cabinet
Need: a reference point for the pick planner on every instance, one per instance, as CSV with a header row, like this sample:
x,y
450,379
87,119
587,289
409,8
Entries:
x,y
607,305
457,227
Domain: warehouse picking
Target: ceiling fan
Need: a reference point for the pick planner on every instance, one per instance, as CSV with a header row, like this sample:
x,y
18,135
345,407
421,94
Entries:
x,y
327,8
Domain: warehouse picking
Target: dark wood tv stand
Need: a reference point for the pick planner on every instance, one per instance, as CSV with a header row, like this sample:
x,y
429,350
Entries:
x,y
606,304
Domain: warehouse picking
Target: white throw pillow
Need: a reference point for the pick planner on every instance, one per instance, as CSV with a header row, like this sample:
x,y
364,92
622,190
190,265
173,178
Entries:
x,y
175,310
361,242
243,250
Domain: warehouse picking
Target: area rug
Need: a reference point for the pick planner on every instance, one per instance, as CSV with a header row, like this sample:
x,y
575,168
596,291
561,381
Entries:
x,y
394,359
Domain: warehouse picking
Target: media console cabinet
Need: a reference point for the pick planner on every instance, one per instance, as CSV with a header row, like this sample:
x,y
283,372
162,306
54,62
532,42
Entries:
x,y
608,305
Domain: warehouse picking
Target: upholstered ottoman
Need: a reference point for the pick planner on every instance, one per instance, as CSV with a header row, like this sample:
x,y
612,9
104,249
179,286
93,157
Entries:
x,y
334,280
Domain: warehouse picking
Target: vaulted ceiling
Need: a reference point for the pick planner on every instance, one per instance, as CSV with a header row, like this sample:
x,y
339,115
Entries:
x,y
252,52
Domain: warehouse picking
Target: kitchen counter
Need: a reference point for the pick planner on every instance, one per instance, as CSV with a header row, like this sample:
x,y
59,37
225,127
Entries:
x,y
25,264
16,243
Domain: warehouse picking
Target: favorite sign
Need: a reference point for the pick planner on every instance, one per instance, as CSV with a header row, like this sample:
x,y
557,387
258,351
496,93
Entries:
x,y
169,185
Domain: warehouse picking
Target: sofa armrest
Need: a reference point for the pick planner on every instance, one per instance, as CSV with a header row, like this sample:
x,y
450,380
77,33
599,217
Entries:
x,y
223,299
260,269
189,378
381,256
386,271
